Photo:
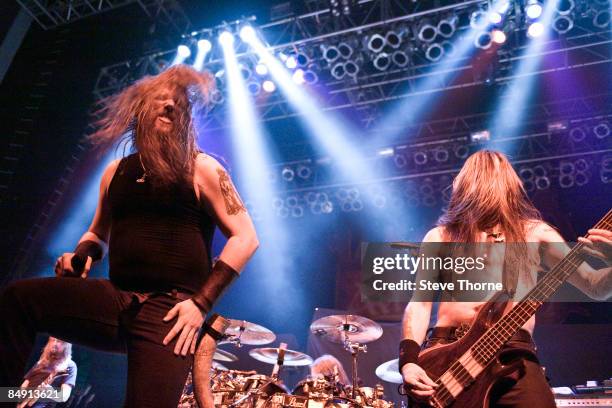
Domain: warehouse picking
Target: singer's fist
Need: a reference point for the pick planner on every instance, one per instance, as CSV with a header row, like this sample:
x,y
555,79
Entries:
x,y
63,266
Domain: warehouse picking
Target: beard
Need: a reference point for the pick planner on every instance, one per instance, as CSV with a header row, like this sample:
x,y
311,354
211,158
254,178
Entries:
x,y
166,149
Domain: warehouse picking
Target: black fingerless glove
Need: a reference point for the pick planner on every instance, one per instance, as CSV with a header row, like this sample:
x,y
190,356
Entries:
x,y
408,353
221,277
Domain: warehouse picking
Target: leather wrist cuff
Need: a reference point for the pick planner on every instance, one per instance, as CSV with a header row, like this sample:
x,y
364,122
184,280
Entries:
x,y
89,248
221,277
408,352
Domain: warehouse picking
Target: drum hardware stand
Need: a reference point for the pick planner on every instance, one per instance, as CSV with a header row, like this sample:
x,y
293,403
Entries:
x,y
202,361
354,348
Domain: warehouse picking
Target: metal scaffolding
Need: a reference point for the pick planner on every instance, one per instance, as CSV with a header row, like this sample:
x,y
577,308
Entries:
x,y
53,13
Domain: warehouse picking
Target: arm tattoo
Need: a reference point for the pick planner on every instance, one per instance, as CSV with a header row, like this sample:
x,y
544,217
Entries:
x,y
233,204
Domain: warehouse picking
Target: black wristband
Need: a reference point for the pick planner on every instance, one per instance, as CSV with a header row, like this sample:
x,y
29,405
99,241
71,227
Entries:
x,y
408,353
221,277
89,248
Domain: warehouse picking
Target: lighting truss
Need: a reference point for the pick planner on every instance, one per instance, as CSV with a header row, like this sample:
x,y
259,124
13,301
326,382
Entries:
x,y
585,45
53,13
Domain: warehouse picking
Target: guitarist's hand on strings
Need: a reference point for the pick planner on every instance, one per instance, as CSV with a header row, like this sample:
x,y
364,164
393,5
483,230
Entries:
x,y
418,384
598,244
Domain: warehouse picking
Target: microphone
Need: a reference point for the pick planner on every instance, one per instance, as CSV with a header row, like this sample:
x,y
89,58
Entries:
x,y
78,263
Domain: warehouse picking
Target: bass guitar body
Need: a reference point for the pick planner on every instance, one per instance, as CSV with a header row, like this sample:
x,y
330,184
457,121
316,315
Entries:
x,y
438,359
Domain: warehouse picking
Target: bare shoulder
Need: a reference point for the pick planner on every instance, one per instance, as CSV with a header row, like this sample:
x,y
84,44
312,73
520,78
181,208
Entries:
x,y
435,234
208,168
109,172
540,231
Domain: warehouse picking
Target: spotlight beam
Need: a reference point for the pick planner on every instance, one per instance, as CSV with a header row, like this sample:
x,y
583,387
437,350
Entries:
x,y
411,109
506,122
252,160
334,136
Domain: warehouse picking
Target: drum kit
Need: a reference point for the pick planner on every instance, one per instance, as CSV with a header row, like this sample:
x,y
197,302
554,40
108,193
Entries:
x,y
250,389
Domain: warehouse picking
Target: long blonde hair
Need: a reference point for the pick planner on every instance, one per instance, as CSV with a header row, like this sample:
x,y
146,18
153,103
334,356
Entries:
x,y
168,158
487,193
52,360
324,366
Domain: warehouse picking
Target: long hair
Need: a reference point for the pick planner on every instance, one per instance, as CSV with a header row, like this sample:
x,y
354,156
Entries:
x,y
168,157
324,366
55,354
486,193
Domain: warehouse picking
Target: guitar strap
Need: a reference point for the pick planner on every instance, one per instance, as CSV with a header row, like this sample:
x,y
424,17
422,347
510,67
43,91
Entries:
x,y
509,272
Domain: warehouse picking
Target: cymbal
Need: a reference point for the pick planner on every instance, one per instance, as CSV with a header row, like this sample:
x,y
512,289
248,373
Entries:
x,y
222,355
270,355
249,333
338,328
389,372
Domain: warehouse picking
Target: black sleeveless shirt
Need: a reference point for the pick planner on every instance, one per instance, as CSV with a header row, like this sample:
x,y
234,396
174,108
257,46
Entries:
x,y
160,240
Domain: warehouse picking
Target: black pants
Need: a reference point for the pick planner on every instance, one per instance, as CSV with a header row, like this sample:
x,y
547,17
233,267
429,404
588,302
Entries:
x,y
94,313
530,390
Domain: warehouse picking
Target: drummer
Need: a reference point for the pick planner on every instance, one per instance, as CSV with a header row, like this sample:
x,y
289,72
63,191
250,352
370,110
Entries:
x,y
328,366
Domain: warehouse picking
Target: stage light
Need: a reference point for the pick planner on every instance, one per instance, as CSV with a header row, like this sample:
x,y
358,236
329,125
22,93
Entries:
x,y
338,71
447,27
563,24
331,53
287,174
400,58
577,134
226,38
478,20
533,9
480,136
298,77
441,155
311,77
564,7
261,69
254,88
557,126
535,30
302,59
382,61
268,86
483,40
247,33
601,19
420,158
393,39
204,45
304,172
434,52
376,43
495,17
601,130
291,62
351,68
183,51
498,36
427,33
345,50
216,97
386,152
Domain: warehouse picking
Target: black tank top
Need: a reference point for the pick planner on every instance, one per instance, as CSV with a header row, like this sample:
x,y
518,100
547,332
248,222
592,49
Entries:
x,y
160,240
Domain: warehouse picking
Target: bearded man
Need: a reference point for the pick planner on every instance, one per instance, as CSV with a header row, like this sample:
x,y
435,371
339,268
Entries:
x,y
156,215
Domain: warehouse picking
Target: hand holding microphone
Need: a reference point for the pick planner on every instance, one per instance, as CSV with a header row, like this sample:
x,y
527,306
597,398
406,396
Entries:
x,y
78,264
73,265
